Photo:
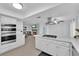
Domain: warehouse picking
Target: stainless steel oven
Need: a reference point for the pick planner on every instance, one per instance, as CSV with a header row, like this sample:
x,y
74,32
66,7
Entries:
x,y
8,33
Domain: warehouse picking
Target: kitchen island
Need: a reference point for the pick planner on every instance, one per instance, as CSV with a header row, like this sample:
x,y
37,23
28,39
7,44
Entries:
x,y
57,46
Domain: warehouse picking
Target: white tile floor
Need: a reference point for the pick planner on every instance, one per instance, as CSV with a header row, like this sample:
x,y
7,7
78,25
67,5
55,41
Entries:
x,y
27,50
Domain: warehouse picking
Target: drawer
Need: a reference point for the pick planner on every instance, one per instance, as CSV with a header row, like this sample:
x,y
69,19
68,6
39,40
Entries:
x,y
65,44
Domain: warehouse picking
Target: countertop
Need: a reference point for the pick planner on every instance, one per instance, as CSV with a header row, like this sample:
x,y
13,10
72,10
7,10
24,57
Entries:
x,y
75,42
58,39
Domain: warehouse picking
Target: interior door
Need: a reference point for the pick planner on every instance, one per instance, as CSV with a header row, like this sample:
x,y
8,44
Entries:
x,y
19,31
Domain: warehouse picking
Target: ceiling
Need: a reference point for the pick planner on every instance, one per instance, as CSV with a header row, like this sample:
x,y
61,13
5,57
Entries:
x,y
39,12
66,11
29,9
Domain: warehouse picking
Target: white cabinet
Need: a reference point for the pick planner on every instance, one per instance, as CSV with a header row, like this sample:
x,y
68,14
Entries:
x,y
19,39
54,47
45,46
62,51
51,49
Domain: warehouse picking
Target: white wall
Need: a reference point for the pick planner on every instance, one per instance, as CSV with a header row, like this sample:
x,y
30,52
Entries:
x,y
40,29
61,30
65,11
29,28
19,35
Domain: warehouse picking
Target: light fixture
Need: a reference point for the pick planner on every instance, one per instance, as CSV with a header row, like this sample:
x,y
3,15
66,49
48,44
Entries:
x,y
57,20
53,21
33,26
18,5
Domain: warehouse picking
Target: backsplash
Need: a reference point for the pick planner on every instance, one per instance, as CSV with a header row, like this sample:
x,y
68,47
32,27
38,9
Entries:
x,y
61,30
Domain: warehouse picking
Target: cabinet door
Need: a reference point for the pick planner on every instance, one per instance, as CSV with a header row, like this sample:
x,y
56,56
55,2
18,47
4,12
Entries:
x,y
51,49
62,51
40,44
46,46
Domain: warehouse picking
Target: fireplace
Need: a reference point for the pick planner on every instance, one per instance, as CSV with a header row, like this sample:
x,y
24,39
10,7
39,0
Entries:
x,y
8,33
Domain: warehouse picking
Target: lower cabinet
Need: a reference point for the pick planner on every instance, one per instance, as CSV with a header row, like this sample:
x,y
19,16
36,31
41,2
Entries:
x,y
62,51
74,52
53,48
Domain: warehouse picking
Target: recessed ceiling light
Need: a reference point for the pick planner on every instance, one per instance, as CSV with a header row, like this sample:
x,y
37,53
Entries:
x,y
18,5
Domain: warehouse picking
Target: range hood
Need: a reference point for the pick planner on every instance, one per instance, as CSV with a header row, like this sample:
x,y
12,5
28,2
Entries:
x,y
53,21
